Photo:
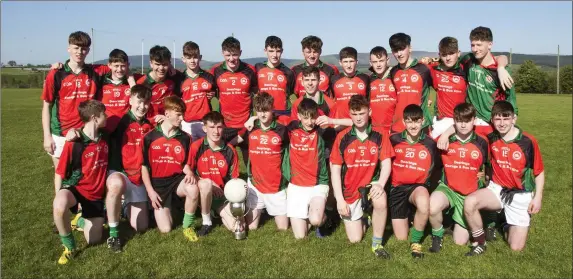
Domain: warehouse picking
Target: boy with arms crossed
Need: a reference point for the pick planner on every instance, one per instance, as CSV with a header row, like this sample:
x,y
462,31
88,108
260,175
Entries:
x,y
348,83
361,155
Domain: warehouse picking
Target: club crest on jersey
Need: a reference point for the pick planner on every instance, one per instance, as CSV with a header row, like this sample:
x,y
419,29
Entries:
x,y
177,149
127,92
221,163
489,79
373,150
423,154
456,79
205,85
361,86
495,149
391,88
280,78
414,78
275,140
322,78
244,81
474,154
87,82
516,155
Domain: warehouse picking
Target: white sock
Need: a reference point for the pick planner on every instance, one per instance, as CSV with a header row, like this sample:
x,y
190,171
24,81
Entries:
x,y
207,219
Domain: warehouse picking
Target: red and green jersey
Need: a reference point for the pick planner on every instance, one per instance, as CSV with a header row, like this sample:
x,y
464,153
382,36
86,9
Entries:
x,y
327,71
159,90
235,92
65,90
278,82
325,106
267,150
306,155
165,156
450,86
115,97
484,87
412,87
218,165
360,159
194,93
462,162
126,144
515,163
343,87
414,161
83,165
383,100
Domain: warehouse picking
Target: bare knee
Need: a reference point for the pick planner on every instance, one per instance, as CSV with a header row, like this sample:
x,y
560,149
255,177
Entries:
x,y
470,204
315,220
517,246
191,191
435,209
354,238
205,186
59,206
115,185
164,228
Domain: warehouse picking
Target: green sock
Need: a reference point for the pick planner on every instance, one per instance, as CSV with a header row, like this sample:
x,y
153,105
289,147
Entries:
x,y
438,232
113,229
415,235
376,241
68,241
188,220
81,222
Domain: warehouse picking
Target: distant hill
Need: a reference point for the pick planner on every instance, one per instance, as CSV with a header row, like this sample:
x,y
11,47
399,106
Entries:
x,y
547,61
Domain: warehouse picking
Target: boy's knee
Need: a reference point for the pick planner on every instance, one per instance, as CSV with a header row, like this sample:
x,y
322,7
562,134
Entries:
x,y
205,186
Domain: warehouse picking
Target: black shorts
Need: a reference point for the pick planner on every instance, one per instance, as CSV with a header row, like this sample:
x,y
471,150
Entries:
x,y
166,188
398,200
230,133
90,209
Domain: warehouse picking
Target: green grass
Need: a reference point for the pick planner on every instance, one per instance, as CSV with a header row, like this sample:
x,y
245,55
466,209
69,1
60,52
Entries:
x,y
30,249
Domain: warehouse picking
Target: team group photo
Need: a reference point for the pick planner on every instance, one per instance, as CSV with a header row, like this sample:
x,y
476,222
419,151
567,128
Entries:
x,y
388,160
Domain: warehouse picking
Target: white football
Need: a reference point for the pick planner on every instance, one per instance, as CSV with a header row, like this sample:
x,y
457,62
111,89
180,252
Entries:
x,y
236,190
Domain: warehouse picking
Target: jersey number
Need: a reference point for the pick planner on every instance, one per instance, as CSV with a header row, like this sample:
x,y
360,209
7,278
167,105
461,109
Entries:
x,y
409,154
264,141
233,81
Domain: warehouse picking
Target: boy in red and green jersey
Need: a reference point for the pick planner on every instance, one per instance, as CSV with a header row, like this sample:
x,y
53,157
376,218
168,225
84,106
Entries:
x,y
116,89
412,81
416,156
348,83
516,185
360,157
383,96
463,161
80,179
274,77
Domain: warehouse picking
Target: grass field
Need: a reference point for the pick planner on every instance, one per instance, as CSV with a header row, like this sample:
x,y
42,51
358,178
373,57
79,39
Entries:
x,y
30,249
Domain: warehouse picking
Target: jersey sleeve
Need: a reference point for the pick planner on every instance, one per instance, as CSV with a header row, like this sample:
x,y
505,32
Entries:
x,y
386,150
291,80
234,170
65,160
510,95
145,150
101,70
49,90
336,154
537,159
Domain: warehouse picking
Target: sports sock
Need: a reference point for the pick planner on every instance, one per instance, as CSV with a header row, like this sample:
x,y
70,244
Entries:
x,y
188,220
479,236
113,229
415,235
438,232
207,219
376,241
68,241
81,222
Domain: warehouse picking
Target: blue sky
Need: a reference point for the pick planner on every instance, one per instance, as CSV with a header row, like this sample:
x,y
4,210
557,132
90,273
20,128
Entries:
x,y
36,32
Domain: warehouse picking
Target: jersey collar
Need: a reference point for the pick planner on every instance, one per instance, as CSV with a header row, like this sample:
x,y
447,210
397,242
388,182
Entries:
x,y
440,67
280,65
224,66
368,130
69,70
85,139
271,127
405,136
472,138
517,138
320,64
177,132
150,80
193,78
375,75
206,143
414,63
134,119
320,97
109,80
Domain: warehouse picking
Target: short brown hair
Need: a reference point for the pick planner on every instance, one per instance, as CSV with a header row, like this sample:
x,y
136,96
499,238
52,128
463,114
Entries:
x,y
214,117
464,112
191,50
481,33
160,54
263,102
348,52
307,71
274,42
79,38
413,112
90,108
358,102
118,56
312,42
308,108
231,44
502,108
174,103
399,41
141,91
379,52
448,45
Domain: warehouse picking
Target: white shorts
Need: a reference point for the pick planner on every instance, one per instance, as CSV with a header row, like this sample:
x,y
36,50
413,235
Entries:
x,y
515,212
194,128
440,126
59,141
355,211
133,193
298,199
276,204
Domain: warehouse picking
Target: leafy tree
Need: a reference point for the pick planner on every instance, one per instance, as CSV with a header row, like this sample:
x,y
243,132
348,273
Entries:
x,y
566,79
12,63
530,79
